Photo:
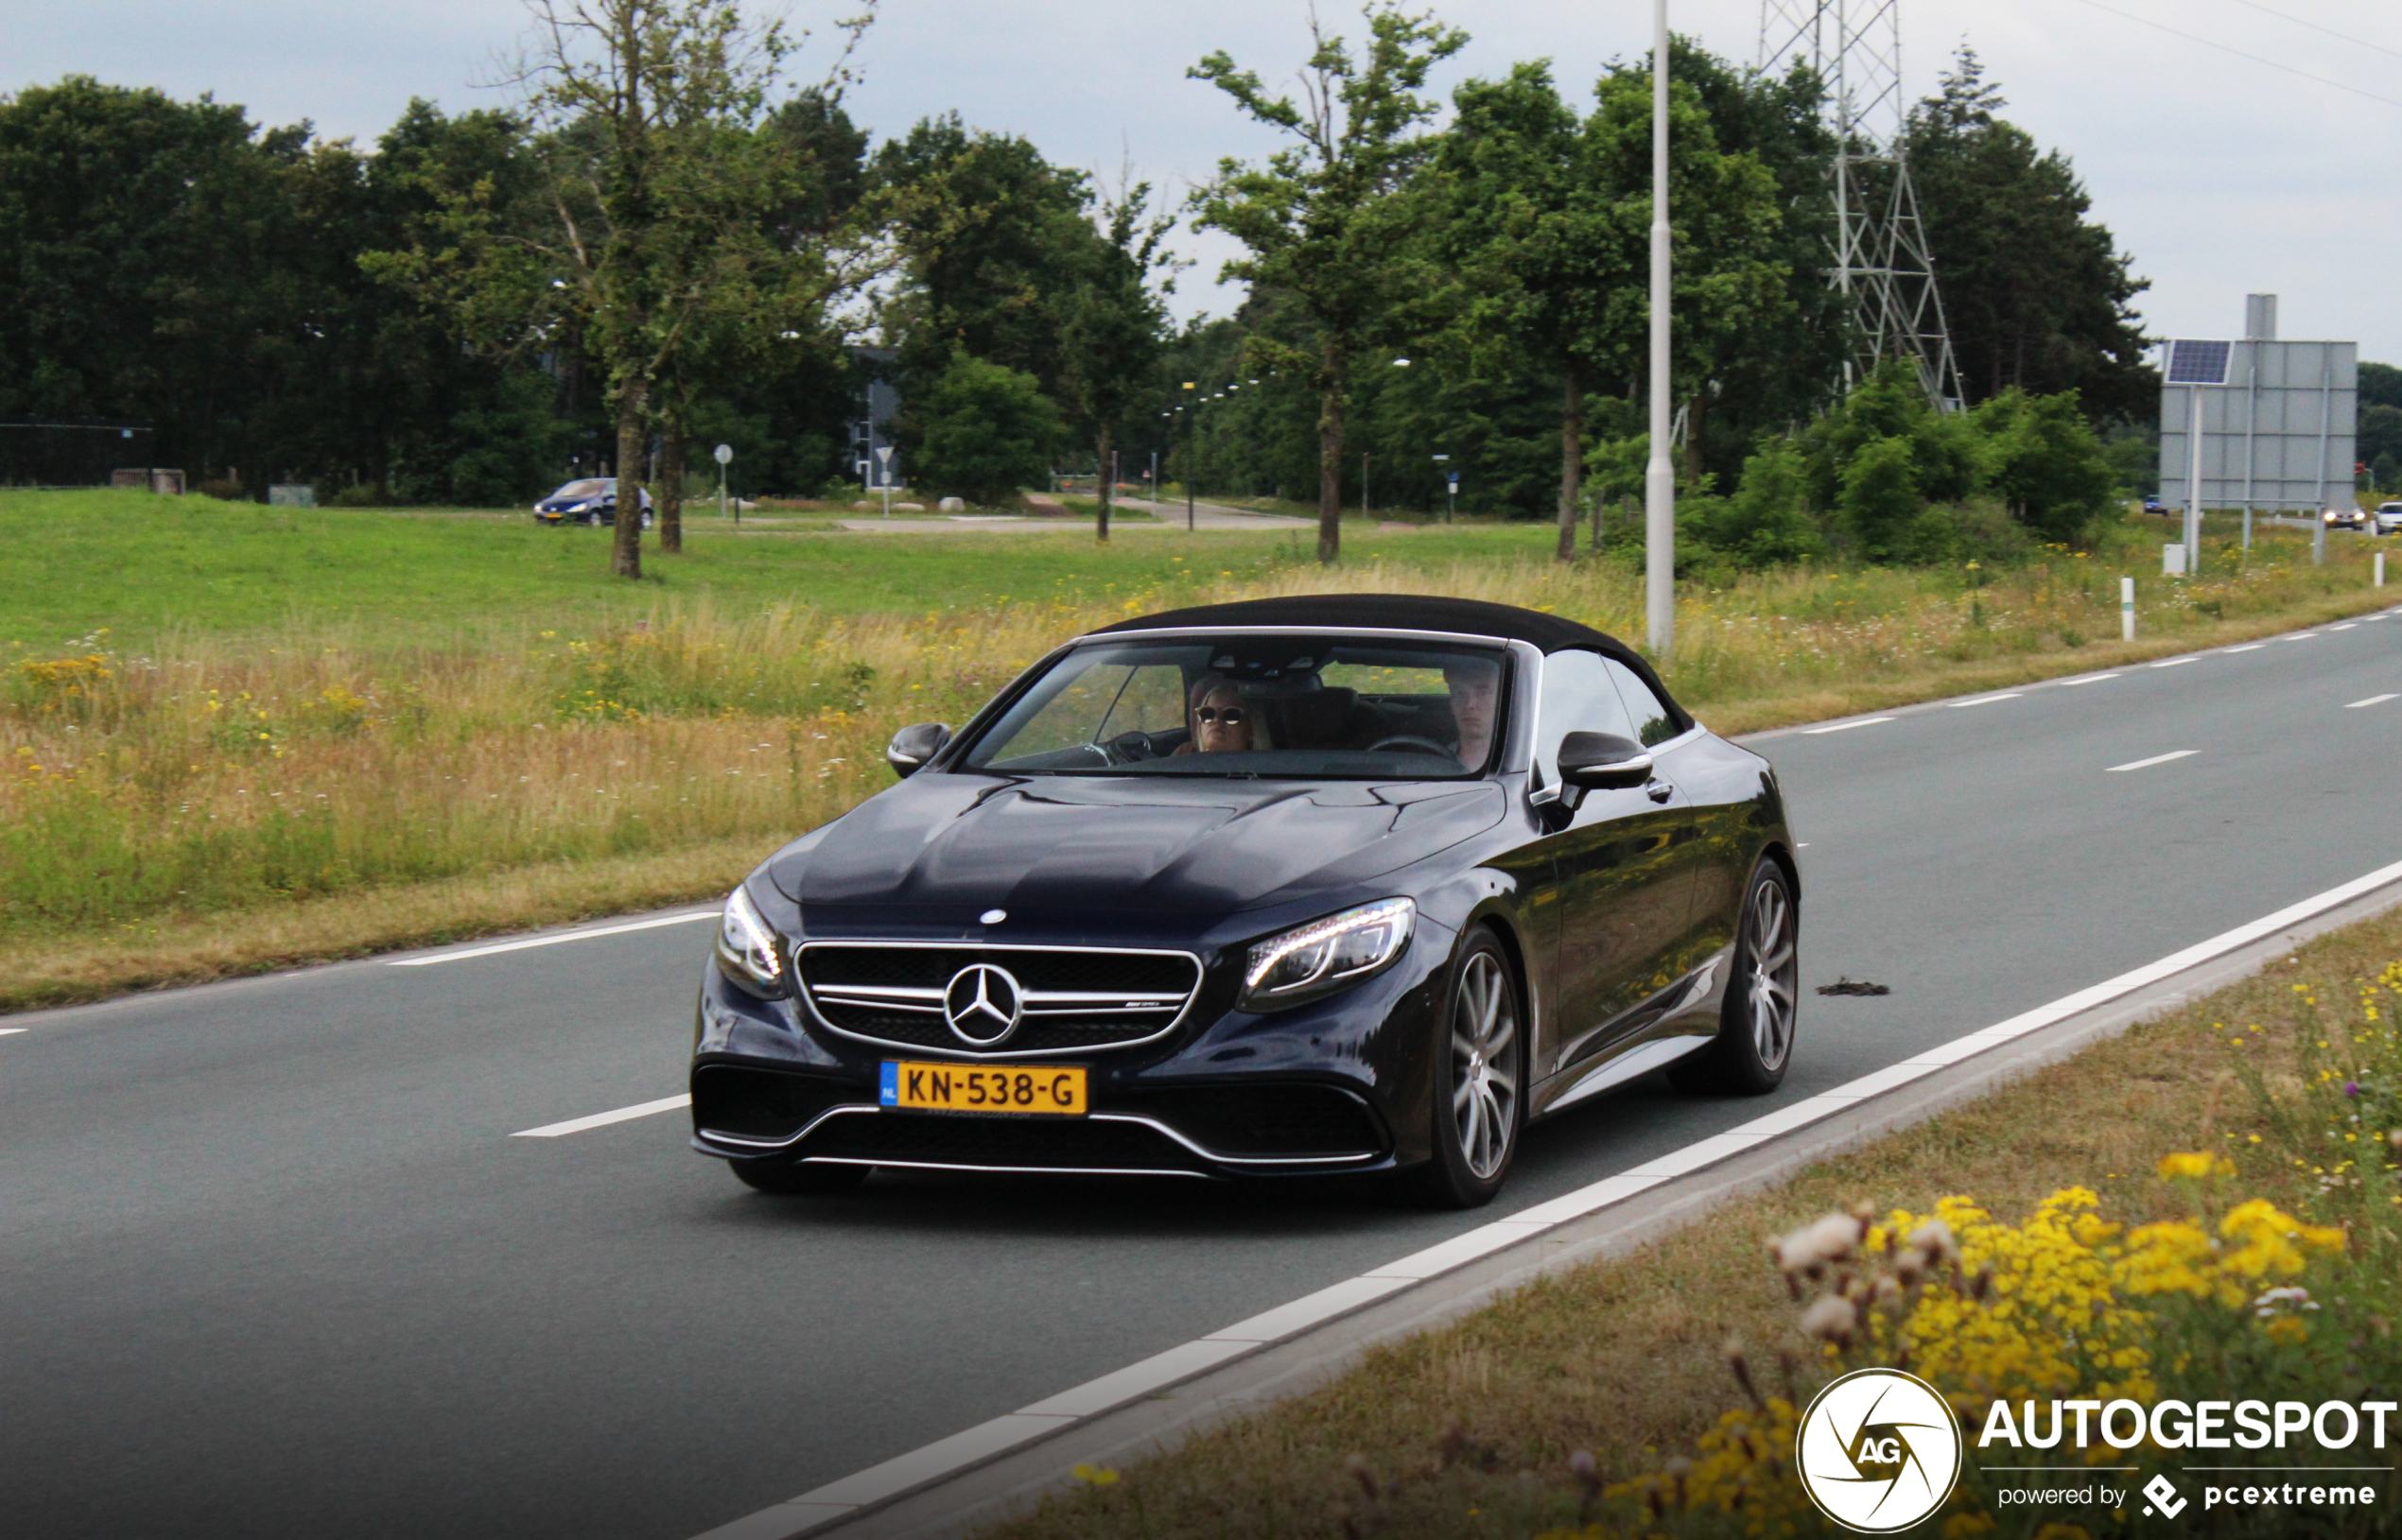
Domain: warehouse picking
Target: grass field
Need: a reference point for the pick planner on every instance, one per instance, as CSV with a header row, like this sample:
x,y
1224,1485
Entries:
x,y
1470,1430
238,737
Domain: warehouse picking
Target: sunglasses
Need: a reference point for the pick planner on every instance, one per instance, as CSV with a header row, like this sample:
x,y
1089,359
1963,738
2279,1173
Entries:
x,y
1231,716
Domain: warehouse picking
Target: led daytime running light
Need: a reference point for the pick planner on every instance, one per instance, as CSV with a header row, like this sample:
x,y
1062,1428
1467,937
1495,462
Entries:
x,y
1399,913
749,944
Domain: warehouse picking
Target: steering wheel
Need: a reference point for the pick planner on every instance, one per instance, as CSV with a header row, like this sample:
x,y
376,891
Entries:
x,y
1128,748
1411,743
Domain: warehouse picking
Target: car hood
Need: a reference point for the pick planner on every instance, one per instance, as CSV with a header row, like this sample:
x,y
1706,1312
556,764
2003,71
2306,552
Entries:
x,y
1149,844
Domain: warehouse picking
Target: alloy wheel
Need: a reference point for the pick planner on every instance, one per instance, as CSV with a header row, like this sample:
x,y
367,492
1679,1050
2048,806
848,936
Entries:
x,y
1775,974
1484,1065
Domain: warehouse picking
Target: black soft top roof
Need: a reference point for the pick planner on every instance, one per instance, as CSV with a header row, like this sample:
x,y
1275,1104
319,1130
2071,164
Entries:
x,y
1406,611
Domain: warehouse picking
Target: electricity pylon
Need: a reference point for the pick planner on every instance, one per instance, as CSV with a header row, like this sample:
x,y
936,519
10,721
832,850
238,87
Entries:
x,y
1880,258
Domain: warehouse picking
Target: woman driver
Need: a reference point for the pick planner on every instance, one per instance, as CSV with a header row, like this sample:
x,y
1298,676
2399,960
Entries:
x,y
1220,722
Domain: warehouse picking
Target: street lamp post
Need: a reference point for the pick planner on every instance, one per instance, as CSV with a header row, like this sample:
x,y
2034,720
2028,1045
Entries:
x,y
1192,451
1659,478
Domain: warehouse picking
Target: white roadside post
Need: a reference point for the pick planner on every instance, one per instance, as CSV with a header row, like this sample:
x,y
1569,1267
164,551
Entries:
x,y
2380,564
885,475
2126,609
1659,477
724,453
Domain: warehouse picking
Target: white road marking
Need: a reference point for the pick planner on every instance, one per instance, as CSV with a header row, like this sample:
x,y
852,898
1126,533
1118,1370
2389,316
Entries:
x,y
877,1485
1844,727
2299,636
602,1120
2373,701
2171,662
498,948
1985,700
2089,679
11,1031
2346,626
2248,646
2146,764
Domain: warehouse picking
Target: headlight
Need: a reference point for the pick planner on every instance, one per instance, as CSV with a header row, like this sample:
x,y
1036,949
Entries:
x,y
1326,955
747,948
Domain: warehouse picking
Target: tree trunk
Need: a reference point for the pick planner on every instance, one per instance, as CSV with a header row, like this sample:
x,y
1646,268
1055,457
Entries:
x,y
1696,415
626,556
1571,461
1330,457
671,491
1105,487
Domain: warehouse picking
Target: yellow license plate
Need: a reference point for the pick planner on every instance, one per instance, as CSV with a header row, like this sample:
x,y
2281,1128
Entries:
x,y
1049,1090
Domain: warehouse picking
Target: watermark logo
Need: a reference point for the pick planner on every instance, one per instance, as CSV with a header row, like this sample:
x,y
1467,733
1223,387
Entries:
x,y
2165,1501
1878,1450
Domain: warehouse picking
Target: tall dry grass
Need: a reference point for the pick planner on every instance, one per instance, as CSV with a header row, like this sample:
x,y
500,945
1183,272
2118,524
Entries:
x,y
211,777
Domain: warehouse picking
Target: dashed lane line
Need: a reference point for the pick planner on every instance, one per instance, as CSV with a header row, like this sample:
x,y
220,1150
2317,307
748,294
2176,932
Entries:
x,y
2156,759
602,1120
13,1031
2089,679
2171,662
533,942
878,1485
2248,646
2373,701
1844,727
1985,700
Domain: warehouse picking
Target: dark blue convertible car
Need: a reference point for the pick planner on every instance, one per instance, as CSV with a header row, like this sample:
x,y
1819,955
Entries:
x,y
1328,884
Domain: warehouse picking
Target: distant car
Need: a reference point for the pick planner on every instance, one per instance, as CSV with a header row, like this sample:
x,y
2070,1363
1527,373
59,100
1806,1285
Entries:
x,y
2152,504
2387,520
2346,518
592,500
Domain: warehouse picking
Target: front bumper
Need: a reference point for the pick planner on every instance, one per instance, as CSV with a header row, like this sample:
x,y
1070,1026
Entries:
x,y
1340,1086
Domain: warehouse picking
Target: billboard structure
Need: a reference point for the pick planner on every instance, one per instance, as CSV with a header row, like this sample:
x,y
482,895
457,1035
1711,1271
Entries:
x,y
2257,423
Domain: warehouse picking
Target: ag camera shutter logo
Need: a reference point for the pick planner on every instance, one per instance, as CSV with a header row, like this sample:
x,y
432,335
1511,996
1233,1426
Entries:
x,y
1878,1450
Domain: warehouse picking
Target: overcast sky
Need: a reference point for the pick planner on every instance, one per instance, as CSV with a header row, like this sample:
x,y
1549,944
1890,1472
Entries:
x,y
2221,174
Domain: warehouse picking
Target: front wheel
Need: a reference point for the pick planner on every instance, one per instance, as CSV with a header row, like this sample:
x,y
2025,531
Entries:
x,y
789,1178
1755,1043
1479,1078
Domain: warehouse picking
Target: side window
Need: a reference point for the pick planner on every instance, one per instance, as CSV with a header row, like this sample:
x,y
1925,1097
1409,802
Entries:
x,y
1653,722
1578,697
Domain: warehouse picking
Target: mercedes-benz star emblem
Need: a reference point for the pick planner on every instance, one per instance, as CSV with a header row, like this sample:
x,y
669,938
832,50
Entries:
x,y
983,1004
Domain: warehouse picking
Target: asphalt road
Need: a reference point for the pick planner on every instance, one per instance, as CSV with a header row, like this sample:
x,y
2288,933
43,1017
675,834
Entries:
x,y
271,1264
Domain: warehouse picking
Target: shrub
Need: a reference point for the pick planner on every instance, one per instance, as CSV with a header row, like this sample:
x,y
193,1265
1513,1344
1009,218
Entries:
x,y
988,431
1879,500
2043,462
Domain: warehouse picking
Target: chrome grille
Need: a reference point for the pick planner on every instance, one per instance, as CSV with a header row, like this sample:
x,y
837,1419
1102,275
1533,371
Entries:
x,y
1075,999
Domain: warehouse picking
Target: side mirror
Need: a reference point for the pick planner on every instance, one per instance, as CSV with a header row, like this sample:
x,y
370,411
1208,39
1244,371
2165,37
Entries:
x,y
912,746
1603,762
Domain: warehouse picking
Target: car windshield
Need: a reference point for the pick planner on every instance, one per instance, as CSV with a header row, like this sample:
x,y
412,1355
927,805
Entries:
x,y
585,489
1292,705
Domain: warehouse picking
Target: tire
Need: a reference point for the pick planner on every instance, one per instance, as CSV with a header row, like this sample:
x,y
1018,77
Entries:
x,y
791,1178
1754,1045
1479,1096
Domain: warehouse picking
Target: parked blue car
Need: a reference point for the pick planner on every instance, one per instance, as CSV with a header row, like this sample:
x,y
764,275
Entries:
x,y
592,500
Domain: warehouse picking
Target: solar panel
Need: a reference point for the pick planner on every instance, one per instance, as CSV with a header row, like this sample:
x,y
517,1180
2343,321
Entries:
x,y
2198,363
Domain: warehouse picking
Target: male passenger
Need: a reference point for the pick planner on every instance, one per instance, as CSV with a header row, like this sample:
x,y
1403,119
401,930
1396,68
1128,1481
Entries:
x,y
1474,684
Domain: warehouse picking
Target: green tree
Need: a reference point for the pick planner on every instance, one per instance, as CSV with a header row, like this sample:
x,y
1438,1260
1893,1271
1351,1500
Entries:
x,y
993,238
988,430
660,191
1111,326
1324,219
2037,295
